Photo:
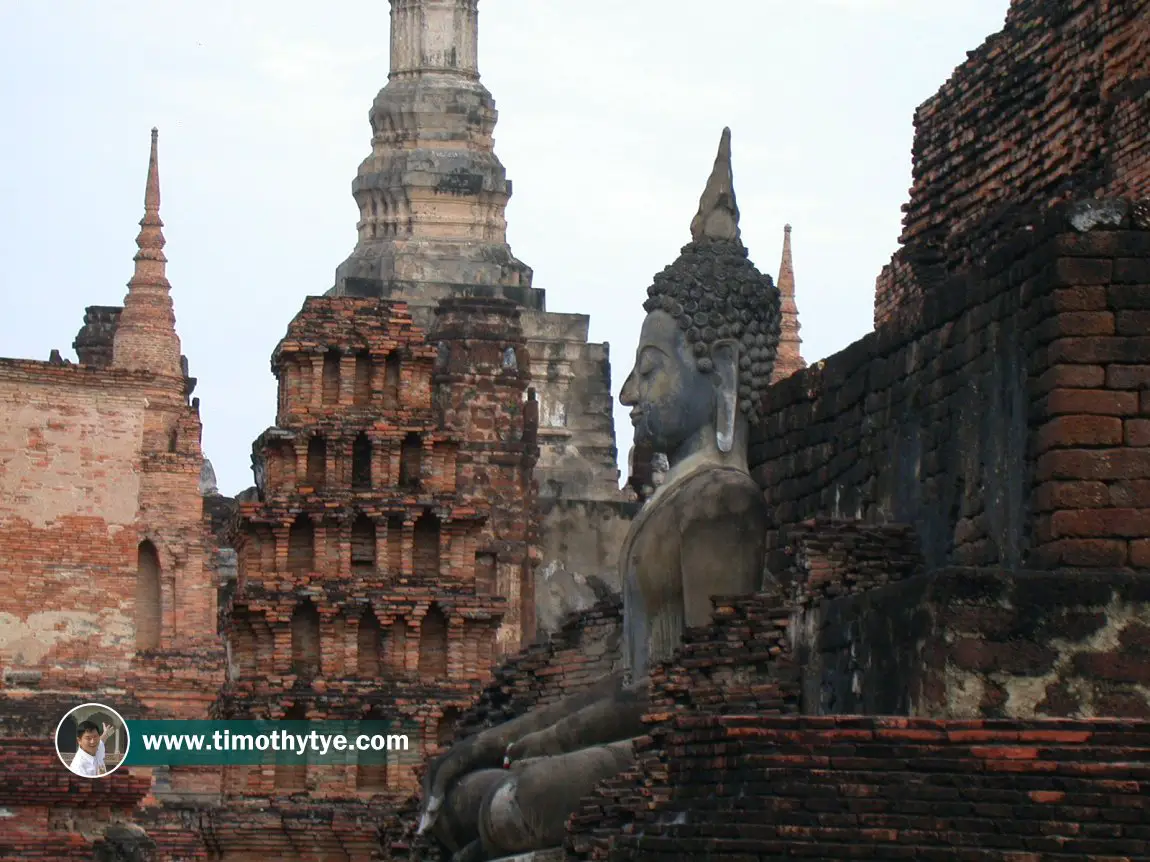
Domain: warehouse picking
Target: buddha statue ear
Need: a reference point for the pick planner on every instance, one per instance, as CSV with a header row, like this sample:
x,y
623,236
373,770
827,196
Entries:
x,y
725,356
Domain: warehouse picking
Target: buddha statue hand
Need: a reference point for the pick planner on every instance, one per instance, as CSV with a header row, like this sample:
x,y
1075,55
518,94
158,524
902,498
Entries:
x,y
487,749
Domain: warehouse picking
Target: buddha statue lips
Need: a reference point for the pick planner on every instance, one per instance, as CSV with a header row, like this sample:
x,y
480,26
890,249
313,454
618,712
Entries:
x,y
703,364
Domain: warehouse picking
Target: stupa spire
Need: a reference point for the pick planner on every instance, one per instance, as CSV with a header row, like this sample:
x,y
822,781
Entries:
x,y
150,240
789,358
146,337
435,36
432,194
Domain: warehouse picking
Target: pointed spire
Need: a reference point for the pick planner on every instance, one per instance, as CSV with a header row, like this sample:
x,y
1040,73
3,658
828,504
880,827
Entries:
x,y
146,337
150,240
718,217
789,358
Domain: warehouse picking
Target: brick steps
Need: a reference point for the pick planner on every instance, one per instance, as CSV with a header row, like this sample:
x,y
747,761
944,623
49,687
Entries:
x,y
888,788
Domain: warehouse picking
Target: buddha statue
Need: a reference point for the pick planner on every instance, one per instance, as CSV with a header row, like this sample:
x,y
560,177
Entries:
x,y
702,368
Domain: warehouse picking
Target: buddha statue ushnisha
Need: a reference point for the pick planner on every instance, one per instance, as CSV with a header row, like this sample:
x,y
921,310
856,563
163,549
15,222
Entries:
x,y
703,365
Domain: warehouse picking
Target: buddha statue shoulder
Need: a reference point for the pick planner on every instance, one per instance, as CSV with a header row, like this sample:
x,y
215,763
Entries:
x,y
702,369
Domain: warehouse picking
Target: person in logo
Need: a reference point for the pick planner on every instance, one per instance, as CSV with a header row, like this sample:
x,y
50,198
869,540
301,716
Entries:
x,y
89,759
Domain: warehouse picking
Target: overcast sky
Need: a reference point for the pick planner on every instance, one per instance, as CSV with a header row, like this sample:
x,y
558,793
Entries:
x,y
610,112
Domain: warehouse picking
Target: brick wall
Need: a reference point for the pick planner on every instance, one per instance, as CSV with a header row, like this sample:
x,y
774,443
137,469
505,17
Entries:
x,y
51,814
983,643
994,421
99,477
1050,108
387,560
823,558
742,787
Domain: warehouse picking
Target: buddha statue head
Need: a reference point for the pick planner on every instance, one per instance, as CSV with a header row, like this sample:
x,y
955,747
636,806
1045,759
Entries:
x,y
707,346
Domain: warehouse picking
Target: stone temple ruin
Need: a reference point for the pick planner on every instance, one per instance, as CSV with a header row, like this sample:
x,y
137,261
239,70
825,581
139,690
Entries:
x,y
951,659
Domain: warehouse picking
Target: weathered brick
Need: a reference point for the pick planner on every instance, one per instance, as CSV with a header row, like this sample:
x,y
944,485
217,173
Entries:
x,y
1132,322
1071,323
981,655
1114,666
1128,376
1093,464
1135,296
1088,553
1140,553
1133,493
1101,522
1073,377
1077,271
1079,299
1137,432
1079,430
1100,349
1131,270
1072,495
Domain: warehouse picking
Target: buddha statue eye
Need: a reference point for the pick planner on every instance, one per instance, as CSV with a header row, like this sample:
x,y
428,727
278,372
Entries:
x,y
648,362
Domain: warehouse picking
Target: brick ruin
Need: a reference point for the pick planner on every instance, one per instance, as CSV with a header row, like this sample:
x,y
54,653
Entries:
x,y
388,559
954,661
1024,123
107,595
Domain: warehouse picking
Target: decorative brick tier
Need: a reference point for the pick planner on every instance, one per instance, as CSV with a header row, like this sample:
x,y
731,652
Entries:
x,y
767,787
257,831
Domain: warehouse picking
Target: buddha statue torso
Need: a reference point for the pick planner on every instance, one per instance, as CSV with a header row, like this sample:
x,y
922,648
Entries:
x,y
702,533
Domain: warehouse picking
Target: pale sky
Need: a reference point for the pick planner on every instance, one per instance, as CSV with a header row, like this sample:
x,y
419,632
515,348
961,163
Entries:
x,y
609,115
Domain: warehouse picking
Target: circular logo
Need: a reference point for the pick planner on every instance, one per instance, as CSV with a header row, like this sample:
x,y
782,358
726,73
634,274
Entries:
x,y
92,740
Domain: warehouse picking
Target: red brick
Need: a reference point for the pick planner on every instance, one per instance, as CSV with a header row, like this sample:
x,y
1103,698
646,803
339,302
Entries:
x,y
1114,667
1070,323
1137,432
1071,495
1140,553
1087,553
1134,493
1072,377
1079,430
1132,270
1079,298
977,654
1099,349
1094,464
1135,638
1101,523
1092,401
1127,376
1079,271
1132,322
1135,296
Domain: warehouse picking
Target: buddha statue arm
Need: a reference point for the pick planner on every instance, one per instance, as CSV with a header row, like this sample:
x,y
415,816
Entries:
x,y
611,719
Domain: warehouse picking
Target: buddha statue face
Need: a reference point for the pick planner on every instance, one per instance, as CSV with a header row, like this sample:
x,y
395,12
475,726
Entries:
x,y
677,406
669,397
